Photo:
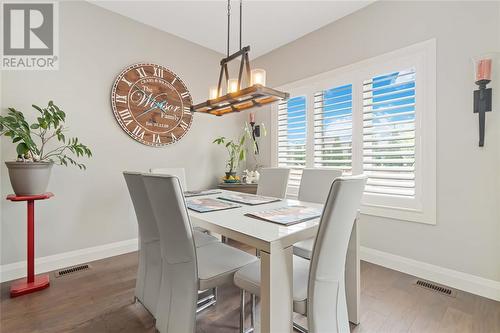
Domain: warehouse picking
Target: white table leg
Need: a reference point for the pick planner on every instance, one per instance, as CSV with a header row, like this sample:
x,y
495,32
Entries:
x,y
276,290
352,276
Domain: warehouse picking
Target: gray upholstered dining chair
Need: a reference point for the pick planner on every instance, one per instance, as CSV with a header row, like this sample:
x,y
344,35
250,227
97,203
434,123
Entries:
x,y
178,172
149,270
181,174
319,283
314,187
185,269
273,182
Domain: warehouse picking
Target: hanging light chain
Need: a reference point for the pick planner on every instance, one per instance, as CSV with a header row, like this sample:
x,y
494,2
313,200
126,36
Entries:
x,y
228,24
241,11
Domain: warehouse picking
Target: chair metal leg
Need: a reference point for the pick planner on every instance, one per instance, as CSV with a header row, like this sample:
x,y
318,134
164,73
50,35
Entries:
x,y
300,328
242,311
204,306
207,301
252,312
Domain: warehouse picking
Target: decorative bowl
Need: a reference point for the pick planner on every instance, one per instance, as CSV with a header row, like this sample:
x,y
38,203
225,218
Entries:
x,y
231,181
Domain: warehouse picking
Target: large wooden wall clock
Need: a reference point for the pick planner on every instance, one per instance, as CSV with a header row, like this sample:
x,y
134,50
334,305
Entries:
x,y
151,104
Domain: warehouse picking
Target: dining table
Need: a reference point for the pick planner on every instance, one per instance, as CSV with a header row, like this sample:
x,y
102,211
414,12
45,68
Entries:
x,y
275,243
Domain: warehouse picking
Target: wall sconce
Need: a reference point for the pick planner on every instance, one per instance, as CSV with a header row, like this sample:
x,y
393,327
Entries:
x,y
255,131
483,95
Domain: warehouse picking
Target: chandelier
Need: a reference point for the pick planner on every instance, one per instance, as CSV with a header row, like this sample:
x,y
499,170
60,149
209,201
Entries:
x,y
238,97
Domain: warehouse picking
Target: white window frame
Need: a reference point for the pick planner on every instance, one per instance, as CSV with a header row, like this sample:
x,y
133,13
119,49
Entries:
x,y
421,56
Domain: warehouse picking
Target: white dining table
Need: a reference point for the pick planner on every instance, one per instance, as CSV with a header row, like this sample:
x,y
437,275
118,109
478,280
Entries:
x,y
275,243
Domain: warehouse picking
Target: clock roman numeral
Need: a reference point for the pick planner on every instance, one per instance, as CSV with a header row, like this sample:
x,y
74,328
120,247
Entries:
x,y
187,115
158,72
121,99
187,109
127,82
156,138
173,81
173,137
183,125
138,131
141,71
185,94
126,116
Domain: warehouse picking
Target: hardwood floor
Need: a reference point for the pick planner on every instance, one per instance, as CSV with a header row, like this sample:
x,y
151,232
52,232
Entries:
x,y
101,300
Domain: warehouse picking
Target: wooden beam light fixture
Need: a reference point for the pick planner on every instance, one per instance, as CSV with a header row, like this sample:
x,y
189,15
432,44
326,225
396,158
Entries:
x,y
238,98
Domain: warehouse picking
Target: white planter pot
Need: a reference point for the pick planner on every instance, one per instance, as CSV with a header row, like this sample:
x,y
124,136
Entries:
x,y
29,178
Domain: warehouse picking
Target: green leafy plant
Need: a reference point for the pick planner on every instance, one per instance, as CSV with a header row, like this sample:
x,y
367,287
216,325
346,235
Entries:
x,y
236,151
50,125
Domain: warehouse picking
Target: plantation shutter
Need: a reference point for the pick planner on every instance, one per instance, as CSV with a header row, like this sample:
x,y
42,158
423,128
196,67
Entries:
x,y
389,133
292,134
333,128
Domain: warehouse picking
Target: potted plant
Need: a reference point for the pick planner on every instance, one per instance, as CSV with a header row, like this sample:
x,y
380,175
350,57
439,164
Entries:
x,y
237,153
36,153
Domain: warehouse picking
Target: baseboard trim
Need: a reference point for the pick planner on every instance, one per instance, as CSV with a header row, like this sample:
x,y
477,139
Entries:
x,y
46,264
455,279
467,282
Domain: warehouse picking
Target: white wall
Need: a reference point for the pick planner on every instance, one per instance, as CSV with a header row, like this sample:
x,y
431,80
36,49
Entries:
x,y
467,235
93,208
1,156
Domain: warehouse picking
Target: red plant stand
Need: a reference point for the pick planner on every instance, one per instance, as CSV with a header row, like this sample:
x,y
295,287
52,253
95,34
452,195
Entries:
x,y
31,283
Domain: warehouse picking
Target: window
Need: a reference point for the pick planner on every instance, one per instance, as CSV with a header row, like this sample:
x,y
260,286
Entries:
x,y
292,138
333,128
389,133
375,117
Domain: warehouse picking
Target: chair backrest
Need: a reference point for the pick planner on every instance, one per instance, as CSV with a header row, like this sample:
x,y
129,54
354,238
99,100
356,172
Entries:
x,y
178,172
172,219
326,303
149,270
315,184
148,230
177,298
273,182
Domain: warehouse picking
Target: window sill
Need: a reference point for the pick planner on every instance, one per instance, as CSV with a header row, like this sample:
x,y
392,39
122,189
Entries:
x,y
400,214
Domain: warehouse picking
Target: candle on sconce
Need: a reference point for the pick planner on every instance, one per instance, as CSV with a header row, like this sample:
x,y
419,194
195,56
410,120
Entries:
x,y
258,76
483,70
483,95
232,85
252,117
213,93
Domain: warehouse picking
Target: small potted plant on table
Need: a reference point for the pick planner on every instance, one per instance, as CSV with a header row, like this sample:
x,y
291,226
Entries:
x,y
30,173
237,153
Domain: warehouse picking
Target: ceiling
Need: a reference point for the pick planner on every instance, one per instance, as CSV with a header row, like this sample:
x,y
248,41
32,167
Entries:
x,y
267,25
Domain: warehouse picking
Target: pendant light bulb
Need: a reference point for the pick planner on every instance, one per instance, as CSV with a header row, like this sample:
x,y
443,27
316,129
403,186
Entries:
x,y
258,76
232,85
213,92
